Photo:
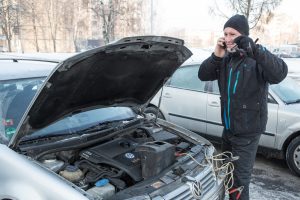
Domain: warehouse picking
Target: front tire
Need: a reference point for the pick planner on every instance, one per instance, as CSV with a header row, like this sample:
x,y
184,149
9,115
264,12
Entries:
x,y
293,155
154,111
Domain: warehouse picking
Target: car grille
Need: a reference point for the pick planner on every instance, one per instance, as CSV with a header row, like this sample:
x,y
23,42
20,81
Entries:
x,y
207,180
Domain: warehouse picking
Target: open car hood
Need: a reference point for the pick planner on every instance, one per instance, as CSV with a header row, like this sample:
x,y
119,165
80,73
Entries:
x,y
126,73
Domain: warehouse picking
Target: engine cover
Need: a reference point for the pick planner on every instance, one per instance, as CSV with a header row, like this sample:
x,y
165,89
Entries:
x,y
119,153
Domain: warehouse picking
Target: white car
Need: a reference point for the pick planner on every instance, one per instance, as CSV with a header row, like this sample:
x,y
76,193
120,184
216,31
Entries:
x,y
84,135
195,105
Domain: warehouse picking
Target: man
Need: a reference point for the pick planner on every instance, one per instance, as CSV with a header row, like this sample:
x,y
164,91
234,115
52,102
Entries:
x,y
243,70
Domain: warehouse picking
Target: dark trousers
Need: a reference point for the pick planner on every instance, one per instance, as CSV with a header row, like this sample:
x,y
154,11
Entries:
x,y
245,148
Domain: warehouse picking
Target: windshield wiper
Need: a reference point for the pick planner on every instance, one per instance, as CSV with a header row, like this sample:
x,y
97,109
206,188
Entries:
x,y
92,129
115,124
294,101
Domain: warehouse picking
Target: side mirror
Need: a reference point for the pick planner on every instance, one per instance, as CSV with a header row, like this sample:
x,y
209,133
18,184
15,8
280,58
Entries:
x,y
271,99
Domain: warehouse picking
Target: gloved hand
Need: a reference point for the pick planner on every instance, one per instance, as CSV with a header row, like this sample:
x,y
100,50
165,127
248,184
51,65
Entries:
x,y
246,43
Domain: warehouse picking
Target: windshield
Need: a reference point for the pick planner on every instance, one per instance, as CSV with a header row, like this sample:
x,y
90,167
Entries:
x,y
15,96
288,91
84,120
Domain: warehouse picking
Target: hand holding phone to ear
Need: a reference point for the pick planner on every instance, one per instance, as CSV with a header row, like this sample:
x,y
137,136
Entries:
x,y
220,47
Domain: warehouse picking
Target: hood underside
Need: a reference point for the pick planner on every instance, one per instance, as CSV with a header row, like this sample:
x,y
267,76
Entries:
x,y
126,73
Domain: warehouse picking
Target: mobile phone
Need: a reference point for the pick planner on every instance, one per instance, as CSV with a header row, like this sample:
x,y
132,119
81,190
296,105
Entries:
x,y
224,45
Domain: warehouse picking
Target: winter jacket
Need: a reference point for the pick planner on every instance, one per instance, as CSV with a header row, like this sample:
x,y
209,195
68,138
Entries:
x,y
243,83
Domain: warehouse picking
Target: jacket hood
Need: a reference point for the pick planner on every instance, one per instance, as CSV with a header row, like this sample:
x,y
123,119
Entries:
x,y
126,73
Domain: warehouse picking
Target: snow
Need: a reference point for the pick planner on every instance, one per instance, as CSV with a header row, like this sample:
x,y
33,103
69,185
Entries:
x,y
47,56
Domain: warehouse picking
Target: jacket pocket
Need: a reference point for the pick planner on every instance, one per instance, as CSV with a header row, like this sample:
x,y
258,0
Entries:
x,y
245,118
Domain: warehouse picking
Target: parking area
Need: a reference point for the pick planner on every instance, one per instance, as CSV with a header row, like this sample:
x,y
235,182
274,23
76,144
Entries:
x,y
272,179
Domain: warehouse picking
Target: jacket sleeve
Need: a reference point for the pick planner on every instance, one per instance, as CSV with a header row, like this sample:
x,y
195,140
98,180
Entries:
x,y
210,68
274,69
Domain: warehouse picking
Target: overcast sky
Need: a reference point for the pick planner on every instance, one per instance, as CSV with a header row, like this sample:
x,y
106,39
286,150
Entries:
x,y
194,14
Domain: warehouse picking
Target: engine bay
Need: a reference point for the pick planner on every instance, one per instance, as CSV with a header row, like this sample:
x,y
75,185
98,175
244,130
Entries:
x,y
119,162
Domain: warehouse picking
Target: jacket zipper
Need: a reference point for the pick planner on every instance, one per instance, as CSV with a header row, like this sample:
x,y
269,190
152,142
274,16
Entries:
x,y
228,100
236,81
225,119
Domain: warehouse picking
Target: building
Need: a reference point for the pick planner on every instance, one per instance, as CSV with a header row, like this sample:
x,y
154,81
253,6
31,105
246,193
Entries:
x,y
75,25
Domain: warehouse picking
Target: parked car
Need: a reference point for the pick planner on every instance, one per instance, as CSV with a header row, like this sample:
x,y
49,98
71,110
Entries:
x,y
20,78
3,49
195,105
84,135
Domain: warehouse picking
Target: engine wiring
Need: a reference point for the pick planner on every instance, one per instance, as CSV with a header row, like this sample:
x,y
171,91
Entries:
x,y
187,154
222,163
224,160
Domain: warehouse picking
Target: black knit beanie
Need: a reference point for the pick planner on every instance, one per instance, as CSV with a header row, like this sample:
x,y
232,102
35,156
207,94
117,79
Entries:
x,y
239,23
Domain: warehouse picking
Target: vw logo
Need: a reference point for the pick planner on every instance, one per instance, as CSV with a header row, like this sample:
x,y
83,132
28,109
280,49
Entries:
x,y
196,189
129,155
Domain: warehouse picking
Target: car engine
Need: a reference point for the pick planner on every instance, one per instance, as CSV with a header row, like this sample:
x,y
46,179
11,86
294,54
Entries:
x,y
123,161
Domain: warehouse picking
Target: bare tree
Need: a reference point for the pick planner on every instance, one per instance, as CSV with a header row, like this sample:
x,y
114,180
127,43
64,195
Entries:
x,y
256,11
74,22
30,11
126,15
8,20
53,11
106,11
131,18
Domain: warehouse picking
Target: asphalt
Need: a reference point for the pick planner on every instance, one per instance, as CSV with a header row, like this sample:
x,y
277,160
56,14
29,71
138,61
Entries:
x,y
272,179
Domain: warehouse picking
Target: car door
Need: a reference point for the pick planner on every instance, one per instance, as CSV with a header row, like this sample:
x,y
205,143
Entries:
x,y
214,121
267,139
184,99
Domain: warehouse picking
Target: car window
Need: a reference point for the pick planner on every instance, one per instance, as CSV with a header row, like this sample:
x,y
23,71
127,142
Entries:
x,y
187,78
287,90
215,87
271,99
15,96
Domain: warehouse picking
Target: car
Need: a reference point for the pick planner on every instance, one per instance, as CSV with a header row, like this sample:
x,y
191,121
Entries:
x,y
84,134
195,105
20,78
3,49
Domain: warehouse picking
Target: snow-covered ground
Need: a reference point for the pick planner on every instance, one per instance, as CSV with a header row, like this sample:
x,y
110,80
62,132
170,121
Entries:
x,y
272,179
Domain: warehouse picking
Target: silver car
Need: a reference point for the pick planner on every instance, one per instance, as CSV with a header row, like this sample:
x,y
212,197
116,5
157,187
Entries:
x,y
195,105
20,79
84,135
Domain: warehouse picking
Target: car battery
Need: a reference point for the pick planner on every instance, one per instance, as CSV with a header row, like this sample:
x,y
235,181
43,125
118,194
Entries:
x,y
155,157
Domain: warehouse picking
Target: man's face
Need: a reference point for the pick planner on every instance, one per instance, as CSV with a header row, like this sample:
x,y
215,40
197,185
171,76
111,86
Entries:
x,y
230,34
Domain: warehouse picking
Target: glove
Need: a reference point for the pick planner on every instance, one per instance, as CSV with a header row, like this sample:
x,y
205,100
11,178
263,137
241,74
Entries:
x,y
246,43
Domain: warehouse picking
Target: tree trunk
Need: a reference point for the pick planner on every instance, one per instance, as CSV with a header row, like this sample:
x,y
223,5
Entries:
x,y
54,44
76,47
33,17
36,39
9,44
7,33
